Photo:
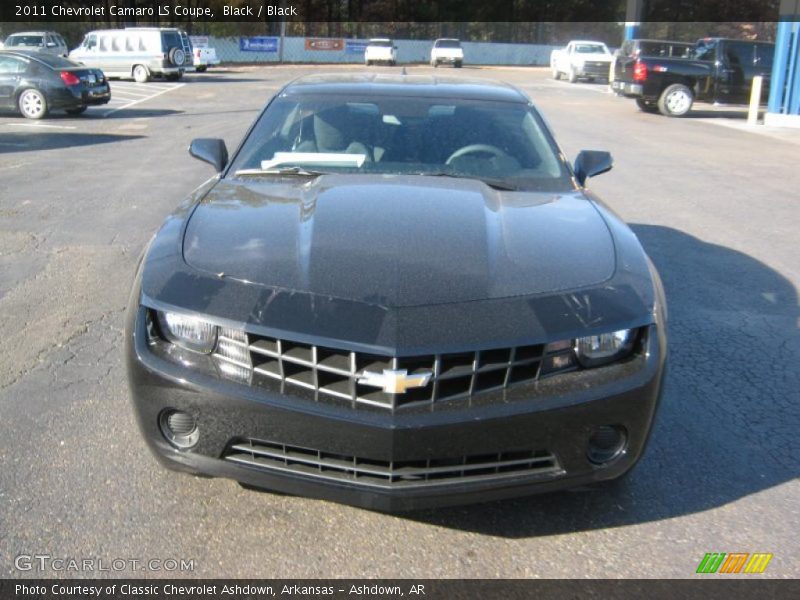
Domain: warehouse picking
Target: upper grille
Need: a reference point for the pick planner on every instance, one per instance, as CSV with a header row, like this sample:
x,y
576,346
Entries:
x,y
381,473
595,67
335,373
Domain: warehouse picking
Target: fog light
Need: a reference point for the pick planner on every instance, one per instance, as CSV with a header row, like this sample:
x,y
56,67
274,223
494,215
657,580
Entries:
x,y
606,444
179,428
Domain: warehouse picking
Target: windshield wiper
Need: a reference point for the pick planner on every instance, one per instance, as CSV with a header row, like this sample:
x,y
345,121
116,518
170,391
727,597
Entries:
x,y
492,182
299,171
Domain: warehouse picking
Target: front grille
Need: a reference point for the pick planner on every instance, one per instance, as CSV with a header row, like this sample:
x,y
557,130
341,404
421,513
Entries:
x,y
273,456
600,68
334,373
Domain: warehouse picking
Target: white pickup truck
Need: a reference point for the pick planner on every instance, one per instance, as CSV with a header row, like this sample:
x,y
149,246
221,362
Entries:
x,y
447,50
581,60
380,50
203,55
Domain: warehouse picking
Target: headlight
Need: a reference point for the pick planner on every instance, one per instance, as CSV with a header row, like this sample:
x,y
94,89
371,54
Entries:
x,y
595,350
188,332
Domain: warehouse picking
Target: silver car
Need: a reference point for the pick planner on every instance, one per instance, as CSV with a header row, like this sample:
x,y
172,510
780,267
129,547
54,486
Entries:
x,y
42,41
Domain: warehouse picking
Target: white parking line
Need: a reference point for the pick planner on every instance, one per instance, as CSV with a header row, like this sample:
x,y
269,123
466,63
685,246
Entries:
x,y
162,90
42,125
126,92
146,86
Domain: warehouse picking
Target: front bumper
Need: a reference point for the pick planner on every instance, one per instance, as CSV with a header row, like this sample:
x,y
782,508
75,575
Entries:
x,y
553,417
448,59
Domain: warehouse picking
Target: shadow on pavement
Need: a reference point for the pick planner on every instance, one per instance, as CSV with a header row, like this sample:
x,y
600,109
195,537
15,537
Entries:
x,y
728,421
209,77
724,113
34,141
133,113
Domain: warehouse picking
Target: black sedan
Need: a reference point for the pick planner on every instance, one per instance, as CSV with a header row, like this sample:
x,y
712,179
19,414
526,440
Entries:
x,y
397,294
36,83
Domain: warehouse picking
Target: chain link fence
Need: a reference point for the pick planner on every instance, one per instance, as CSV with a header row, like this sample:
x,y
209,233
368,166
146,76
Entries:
x,y
266,49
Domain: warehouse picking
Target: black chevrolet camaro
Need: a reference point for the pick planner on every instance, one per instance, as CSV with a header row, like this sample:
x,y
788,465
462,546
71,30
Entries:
x,y
397,294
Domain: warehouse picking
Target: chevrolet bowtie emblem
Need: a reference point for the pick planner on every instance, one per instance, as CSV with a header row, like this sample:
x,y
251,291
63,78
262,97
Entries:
x,y
395,381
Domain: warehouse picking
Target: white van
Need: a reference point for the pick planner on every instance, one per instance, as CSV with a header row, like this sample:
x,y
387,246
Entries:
x,y
137,52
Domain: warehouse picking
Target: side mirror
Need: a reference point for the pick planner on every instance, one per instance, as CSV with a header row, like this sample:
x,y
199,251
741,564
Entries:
x,y
210,150
590,163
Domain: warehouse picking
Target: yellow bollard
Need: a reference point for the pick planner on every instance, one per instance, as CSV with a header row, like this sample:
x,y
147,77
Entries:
x,y
755,100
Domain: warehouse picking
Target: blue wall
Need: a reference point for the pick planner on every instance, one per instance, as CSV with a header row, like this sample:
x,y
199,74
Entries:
x,y
408,51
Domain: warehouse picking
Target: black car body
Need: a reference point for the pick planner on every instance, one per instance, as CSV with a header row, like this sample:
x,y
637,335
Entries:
x,y
718,70
35,83
633,49
399,334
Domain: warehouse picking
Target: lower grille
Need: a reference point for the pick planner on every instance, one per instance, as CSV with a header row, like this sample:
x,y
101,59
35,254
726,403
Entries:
x,y
273,456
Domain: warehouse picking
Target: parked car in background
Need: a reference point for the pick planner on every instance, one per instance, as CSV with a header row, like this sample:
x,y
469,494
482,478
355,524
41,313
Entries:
x,y
447,51
719,71
581,59
380,50
140,53
633,49
48,42
204,55
37,83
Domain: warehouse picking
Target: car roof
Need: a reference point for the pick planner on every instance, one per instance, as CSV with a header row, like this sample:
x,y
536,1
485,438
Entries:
x,y
654,41
31,55
379,84
380,40
599,43
21,53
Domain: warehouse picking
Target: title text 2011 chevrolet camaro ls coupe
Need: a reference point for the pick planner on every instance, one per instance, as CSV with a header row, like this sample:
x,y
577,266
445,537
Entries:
x,y
397,294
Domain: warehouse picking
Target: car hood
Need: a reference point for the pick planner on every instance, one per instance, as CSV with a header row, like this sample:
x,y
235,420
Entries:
x,y
398,241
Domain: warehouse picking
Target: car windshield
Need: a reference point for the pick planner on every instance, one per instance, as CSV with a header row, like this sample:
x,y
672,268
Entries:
x,y
25,40
503,143
448,44
591,49
381,43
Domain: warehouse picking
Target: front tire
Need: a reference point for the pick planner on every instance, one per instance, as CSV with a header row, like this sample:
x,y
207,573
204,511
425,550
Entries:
x,y
556,74
32,104
458,64
676,100
201,69
572,76
141,74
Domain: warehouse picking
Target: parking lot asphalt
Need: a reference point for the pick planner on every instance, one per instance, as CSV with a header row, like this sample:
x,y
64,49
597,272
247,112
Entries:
x,y
716,208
